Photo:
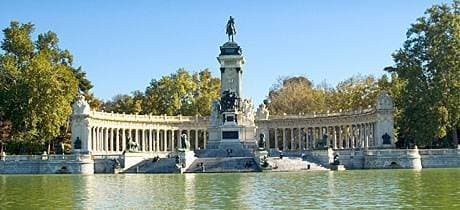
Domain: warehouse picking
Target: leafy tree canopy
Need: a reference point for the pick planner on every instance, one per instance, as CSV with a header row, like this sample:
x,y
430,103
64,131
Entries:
x,y
37,84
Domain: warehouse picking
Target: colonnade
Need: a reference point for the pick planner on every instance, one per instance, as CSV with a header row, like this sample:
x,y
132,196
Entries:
x,y
116,140
359,135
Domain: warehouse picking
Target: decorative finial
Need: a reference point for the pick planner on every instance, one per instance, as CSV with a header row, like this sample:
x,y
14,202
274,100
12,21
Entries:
x,y
231,30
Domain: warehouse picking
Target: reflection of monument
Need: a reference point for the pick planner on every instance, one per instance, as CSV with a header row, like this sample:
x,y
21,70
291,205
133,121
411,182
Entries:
x,y
232,116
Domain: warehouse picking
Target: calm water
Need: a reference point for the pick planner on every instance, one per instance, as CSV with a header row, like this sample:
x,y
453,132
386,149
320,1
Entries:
x,y
438,188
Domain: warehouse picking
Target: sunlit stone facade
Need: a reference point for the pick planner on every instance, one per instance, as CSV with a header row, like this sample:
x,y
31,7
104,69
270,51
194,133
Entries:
x,y
110,133
364,128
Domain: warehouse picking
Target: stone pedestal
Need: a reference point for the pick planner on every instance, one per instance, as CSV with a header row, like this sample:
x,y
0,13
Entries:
x,y
260,155
338,167
186,159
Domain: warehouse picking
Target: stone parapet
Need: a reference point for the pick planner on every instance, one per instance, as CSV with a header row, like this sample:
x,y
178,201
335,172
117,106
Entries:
x,y
47,164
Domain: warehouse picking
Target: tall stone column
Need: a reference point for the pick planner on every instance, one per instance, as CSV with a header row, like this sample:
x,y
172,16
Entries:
x,y
188,136
110,139
347,136
334,132
321,136
151,141
136,135
179,142
313,140
123,139
106,140
300,138
173,148
157,140
353,132
307,138
284,139
93,139
292,138
267,142
196,139
205,137
366,136
167,140
143,139
328,137
117,139
276,139
340,137
96,138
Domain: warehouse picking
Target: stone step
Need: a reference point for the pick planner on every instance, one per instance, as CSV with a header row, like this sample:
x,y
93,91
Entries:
x,y
293,164
224,164
163,165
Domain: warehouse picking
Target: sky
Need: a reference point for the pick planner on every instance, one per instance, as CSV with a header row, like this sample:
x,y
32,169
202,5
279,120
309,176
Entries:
x,y
123,45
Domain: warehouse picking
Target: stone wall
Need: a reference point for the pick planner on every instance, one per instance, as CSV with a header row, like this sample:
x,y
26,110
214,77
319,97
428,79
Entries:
x,y
389,158
52,164
440,158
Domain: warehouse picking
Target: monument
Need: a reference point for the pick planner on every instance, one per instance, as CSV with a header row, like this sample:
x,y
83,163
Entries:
x,y
232,117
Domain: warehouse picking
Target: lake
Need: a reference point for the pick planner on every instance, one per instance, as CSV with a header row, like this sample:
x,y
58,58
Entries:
x,y
432,188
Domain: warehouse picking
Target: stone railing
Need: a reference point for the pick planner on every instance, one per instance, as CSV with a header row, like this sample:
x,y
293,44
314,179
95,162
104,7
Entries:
x,y
145,118
391,152
324,114
41,157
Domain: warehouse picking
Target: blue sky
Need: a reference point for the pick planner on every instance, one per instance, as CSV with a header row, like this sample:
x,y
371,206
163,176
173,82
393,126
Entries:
x,y
122,45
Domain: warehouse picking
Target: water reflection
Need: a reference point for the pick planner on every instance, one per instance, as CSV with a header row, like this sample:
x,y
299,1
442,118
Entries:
x,y
359,189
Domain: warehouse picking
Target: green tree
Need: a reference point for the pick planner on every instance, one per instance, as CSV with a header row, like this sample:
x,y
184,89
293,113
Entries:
x,y
181,93
125,103
37,84
428,69
355,92
293,95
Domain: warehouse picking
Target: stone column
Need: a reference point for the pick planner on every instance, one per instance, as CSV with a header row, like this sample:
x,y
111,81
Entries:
x,y
196,139
300,138
353,132
98,138
366,135
117,139
292,139
93,138
157,140
106,141
320,137
179,142
188,136
123,139
205,137
313,139
347,137
340,137
334,132
284,139
307,138
136,136
168,141
109,139
165,140
276,139
267,139
171,141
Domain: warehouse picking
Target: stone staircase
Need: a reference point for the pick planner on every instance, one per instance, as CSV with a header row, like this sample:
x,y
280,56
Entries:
x,y
224,164
294,164
163,165
226,150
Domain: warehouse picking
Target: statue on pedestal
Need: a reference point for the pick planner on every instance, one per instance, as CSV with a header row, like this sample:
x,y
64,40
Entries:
x,y
261,141
133,146
231,30
185,143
